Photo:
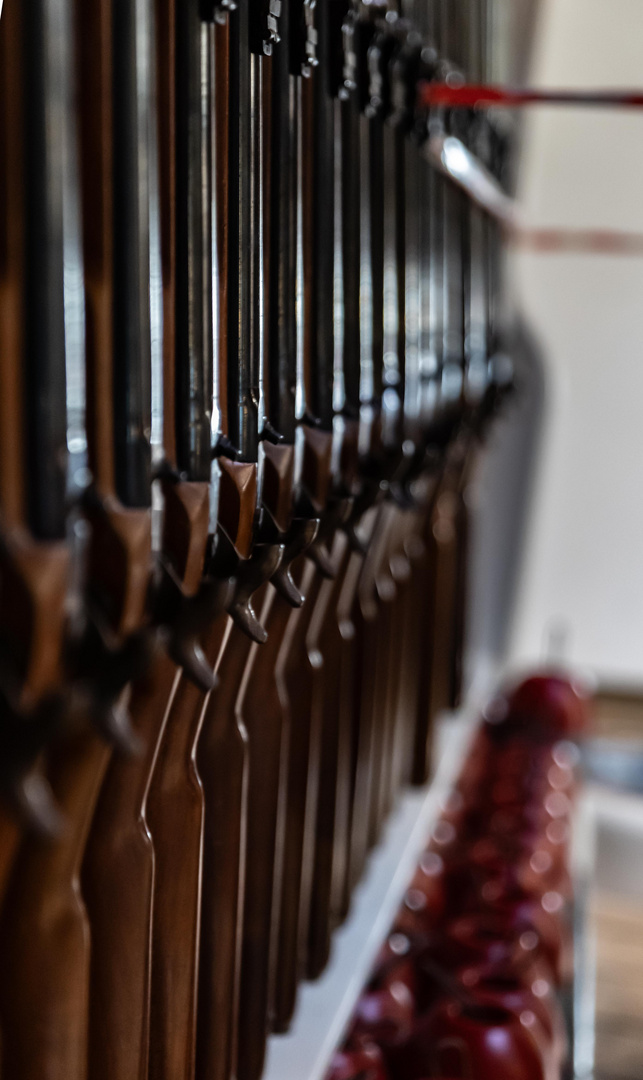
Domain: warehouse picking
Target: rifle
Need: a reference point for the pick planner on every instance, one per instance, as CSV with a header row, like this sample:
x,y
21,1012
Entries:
x,y
327,811
113,55
380,416
11,333
425,432
260,704
431,407
475,373
389,66
364,614
173,800
317,438
435,433
455,226
35,561
405,551
44,927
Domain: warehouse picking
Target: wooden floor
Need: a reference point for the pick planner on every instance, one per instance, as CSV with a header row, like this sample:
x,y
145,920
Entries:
x,y
619,989
619,717
619,924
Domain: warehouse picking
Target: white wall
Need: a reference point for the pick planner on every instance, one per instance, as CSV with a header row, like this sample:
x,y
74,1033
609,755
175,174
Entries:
x,y
582,572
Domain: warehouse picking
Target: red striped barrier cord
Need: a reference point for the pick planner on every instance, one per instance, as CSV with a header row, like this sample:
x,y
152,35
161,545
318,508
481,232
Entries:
x,y
445,95
578,241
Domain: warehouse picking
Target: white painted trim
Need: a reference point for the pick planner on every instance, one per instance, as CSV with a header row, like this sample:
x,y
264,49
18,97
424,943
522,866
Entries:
x,y
583,864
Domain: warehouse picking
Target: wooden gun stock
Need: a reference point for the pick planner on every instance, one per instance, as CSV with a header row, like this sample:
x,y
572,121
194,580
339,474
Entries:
x,y
261,707
295,683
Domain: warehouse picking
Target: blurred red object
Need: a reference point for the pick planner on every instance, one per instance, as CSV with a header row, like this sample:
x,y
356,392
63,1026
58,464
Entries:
x,y
545,705
384,1017
465,985
483,937
486,1042
396,964
535,993
425,900
363,1063
545,914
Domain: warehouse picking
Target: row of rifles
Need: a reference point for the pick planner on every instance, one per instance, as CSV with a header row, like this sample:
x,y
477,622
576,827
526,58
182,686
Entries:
x,y
250,338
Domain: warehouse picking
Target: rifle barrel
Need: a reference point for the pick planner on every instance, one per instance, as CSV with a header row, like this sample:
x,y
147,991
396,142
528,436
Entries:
x,y
43,47
194,330
242,406
132,356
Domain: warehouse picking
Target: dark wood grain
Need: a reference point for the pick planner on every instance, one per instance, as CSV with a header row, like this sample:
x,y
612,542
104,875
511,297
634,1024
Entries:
x,y
175,810
424,593
416,553
10,835
445,582
400,573
325,641
295,682
265,720
222,762
463,540
385,595
346,630
45,931
117,884
365,620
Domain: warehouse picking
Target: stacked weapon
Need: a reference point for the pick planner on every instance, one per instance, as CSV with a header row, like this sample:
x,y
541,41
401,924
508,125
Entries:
x,y
251,333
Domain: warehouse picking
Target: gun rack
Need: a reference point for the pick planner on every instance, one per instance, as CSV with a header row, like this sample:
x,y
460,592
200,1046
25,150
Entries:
x,y
254,332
